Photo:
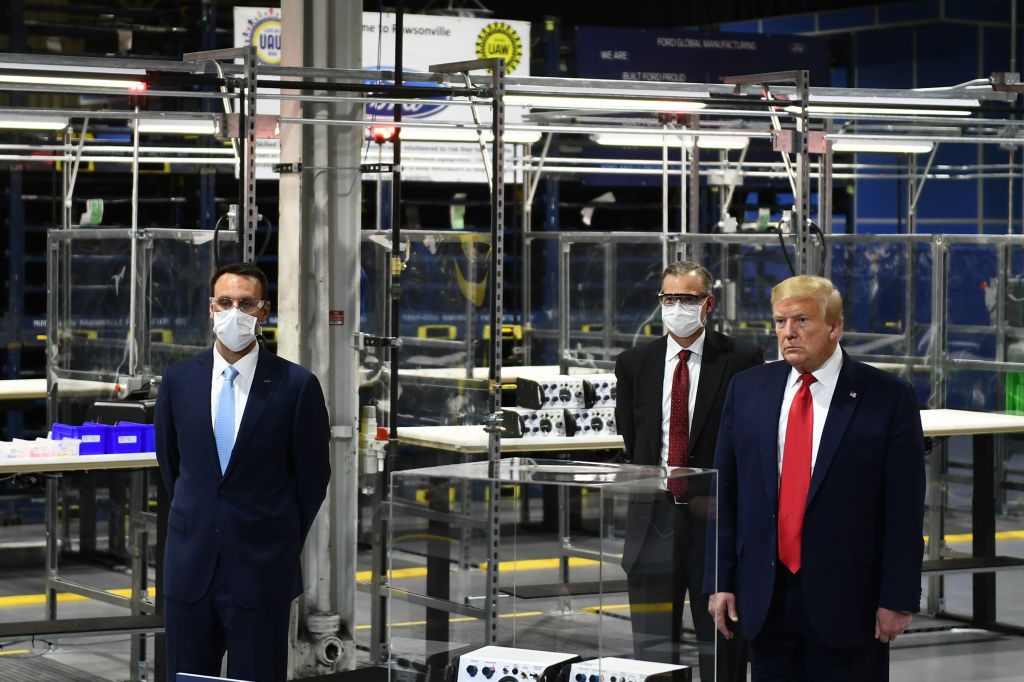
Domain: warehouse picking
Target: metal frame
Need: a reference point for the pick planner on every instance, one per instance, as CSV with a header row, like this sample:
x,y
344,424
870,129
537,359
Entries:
x,y
740,100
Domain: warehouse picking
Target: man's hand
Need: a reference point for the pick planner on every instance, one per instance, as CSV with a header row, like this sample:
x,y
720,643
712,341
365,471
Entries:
x,y
703,507
720,605
889,623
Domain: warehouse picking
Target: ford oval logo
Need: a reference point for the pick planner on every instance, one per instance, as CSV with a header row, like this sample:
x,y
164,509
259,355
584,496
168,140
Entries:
x,y
422,109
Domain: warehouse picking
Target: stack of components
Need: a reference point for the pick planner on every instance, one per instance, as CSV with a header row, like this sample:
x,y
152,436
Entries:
x,y
611,669
507,664
565,405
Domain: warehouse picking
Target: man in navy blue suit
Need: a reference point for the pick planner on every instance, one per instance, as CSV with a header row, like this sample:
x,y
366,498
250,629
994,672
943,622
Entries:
x,y
821,502
243,446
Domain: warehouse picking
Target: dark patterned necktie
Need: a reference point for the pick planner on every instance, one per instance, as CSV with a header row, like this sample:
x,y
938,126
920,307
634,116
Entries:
x,y
679,424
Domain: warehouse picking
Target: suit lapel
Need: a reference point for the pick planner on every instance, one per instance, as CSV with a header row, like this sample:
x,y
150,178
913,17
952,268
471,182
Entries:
x,y
203,380
840,410
652,378
769,430
712,369
264,383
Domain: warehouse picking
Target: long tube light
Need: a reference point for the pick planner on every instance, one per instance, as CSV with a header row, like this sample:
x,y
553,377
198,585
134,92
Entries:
x,y
887,106
411,133
603,103
672,140
882,146
25,122
184,126
30,74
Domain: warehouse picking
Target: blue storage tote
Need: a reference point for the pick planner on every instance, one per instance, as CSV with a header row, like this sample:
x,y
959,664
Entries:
x,y
148,435
94,437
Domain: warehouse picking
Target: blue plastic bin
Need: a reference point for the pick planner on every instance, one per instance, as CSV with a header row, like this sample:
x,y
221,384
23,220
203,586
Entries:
x,y
148,435
125,437
94,437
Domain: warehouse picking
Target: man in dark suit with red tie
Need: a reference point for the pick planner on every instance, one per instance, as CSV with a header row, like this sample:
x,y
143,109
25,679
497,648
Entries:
x,y
669,403
821,502
243,441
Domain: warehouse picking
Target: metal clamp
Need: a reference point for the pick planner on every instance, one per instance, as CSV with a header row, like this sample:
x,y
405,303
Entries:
x,y
362,341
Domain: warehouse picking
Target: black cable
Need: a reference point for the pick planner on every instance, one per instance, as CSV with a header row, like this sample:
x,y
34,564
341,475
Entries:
x,y
266,240
216,244
785,253
823,246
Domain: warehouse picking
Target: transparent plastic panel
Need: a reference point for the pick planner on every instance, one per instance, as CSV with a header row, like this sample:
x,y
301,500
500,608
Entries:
x,y
92,307
443,325
565,533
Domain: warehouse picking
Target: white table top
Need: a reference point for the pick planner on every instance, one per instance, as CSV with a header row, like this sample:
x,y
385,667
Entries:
x,y
507,372
38,465
969,423
473,439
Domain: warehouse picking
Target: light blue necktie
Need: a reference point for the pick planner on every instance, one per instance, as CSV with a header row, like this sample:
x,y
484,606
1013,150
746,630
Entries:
x,y
224,424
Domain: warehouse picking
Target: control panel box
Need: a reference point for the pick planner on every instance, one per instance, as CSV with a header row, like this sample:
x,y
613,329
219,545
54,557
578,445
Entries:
x,y
600,388
571,391
611,669
595,421
520,422
507,664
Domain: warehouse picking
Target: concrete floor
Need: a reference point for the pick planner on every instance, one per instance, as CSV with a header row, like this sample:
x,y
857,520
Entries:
x,y
938,651
949,655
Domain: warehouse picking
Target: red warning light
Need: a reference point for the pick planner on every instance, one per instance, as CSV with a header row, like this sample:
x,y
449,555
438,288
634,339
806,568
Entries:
x,y
382,134
137,86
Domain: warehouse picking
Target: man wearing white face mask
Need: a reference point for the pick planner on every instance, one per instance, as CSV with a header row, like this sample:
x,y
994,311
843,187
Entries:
x,y
668,408
243,445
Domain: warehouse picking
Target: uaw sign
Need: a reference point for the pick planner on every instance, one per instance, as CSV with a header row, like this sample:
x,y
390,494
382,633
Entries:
x,y
262,31
426,40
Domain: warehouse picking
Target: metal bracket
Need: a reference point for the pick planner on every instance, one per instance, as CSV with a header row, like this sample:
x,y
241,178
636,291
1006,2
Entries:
x,y
361,341
492,422
379,168
287,167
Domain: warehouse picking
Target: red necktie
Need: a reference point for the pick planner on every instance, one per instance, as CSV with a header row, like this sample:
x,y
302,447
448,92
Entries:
x,y
796,473
679,424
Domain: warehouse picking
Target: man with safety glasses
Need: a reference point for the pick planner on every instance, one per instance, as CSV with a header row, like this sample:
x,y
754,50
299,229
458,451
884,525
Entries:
x,y
243,446
668,408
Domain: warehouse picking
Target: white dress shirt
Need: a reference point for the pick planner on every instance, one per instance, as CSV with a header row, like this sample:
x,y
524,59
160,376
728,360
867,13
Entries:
x,y
671,361
821,396
246,367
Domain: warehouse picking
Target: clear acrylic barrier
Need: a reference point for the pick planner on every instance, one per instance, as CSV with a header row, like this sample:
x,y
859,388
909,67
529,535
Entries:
x,y
93,303
562,531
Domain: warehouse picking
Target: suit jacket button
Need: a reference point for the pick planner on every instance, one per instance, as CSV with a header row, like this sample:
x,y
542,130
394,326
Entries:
x,y
216,530
772,563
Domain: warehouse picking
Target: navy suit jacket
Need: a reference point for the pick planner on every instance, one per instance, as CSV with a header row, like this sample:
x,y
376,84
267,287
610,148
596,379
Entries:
x,y
862,540
253,519
640,374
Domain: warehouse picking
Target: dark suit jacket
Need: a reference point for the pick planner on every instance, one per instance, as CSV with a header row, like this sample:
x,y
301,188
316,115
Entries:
x,y
862,544
255,517
640,375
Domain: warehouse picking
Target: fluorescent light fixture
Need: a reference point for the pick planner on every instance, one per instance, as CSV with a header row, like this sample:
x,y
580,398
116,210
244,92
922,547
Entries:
x,y
672,140
69,75
184,126
414,134
25,122
886,106
602,103
882,146
81,82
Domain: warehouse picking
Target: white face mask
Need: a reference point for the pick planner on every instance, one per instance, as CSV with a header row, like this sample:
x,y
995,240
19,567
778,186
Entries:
x,y
235,329
682,320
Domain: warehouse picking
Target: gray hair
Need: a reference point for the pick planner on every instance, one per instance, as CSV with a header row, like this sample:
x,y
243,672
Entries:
x,y
681,268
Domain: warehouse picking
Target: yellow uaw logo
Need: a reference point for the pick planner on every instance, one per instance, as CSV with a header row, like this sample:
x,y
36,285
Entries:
x,y
265,35
500,40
